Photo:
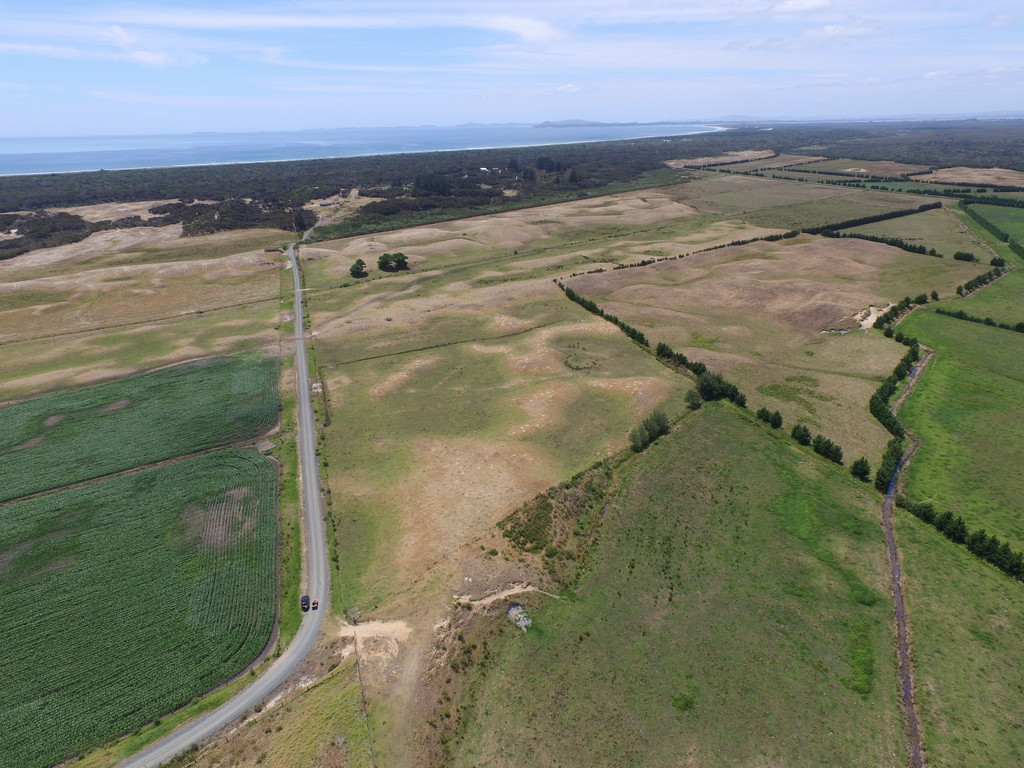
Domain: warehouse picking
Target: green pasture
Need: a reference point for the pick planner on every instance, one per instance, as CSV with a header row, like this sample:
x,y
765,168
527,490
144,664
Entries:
x,y
968,412
736,612
843,205
55,440
932,229
1001,300
967,625
124,599
1010,220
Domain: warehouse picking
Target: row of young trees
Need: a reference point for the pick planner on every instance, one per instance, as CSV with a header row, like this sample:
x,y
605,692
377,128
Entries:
x,y
896,242
988,547
862,220
592,307
959,314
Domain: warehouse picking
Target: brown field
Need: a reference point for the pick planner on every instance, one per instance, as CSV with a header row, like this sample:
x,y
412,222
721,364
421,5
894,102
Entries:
x,y
112,211
129,300
960,174
761,314
779,161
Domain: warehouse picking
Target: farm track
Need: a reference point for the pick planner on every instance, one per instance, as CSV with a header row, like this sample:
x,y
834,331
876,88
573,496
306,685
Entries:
x,y
903,648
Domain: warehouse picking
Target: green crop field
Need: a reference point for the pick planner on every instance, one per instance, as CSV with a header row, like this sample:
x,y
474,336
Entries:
x,y
52,441
968,415
932,229
1010,220
126,598
736,613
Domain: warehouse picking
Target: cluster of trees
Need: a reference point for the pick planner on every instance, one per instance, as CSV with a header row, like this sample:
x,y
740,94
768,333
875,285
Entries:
x,y
235,213
647,431
862,220
885,477
774,418
664,352
713,386
965,256
392,262
979,543
879,402
959,314
592,307
42,230
822,446
978,280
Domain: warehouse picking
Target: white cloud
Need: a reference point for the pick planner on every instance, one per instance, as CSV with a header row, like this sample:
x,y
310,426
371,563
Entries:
x,y
999,20
802,6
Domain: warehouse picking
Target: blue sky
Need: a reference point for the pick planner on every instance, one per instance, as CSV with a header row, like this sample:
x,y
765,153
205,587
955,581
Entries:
x,y
82,68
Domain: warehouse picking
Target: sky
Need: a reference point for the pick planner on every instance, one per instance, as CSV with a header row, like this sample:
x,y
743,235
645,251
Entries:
x,y
77,68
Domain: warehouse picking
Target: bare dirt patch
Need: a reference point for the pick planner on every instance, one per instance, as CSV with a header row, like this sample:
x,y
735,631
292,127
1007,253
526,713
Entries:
x,y
395,381
221,525
728,157
113,211
52,421
117,405
32,442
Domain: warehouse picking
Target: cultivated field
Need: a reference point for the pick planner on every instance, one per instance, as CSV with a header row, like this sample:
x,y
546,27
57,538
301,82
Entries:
x,y
736,613
967,411
124,599
1000,300
51,441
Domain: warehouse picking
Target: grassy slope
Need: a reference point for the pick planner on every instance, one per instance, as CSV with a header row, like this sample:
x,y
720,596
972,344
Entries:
x,y
148,418
720,624
142,611
1010,220
932,229
968,641
967,411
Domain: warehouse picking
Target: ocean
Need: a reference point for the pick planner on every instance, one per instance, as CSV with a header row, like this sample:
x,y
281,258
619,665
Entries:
x,y
93,153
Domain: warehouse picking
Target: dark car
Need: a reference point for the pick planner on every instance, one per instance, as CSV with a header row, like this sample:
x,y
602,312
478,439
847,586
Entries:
x,y
304,602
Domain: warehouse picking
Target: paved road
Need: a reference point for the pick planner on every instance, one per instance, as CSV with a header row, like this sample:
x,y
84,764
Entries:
x,y
317,579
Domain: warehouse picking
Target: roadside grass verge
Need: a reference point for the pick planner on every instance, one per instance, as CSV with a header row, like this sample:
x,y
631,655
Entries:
x,y
143,612
966,411
52,441
735,580
967,621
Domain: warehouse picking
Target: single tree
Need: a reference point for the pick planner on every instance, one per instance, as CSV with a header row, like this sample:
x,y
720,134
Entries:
x,y
861,469
801,434
775,419
358,269
693,400
935,295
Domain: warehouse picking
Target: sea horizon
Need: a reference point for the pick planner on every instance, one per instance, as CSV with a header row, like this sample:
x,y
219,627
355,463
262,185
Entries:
x,y
75,154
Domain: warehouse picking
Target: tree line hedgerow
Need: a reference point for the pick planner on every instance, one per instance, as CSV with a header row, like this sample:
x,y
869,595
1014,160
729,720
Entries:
x,y
592,307
989,548
959,314
862,220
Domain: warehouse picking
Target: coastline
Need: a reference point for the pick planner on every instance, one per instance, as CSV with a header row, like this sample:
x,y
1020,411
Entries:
x,y
54,157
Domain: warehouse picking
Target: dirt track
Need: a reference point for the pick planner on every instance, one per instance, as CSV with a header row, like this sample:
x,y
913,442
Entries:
x,y
906,663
